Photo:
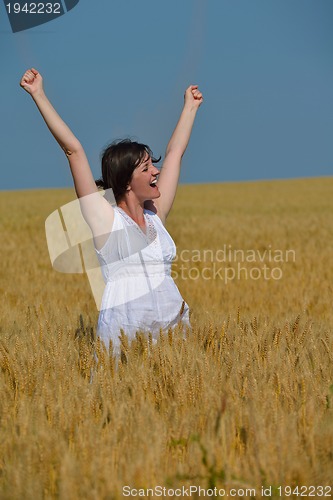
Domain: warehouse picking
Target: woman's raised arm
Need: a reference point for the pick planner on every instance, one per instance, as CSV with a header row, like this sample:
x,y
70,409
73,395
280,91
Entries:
x,y
97,212
168,178
32,83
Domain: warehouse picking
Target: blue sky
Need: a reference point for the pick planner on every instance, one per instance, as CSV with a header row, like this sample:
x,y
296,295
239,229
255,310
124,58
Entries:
x,y
115,69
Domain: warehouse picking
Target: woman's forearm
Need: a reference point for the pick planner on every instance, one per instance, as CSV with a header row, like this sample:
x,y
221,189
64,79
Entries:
x,y
61,132
182,133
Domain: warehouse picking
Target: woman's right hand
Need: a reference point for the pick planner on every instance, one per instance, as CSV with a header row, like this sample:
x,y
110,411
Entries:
x,y
32,82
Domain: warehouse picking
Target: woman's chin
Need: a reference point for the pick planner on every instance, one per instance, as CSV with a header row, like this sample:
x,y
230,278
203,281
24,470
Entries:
x,y
155,195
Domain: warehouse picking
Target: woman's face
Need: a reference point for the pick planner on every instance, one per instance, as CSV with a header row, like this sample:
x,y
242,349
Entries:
x,y
144,180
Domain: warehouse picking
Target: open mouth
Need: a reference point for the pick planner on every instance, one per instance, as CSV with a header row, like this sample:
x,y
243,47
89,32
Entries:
x,y
153,184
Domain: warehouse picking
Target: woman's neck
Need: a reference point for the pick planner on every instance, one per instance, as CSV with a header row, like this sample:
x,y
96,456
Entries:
x,y
133,210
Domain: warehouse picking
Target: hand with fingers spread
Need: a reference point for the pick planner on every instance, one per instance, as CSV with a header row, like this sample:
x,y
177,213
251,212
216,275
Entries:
x,y
32,82
193,97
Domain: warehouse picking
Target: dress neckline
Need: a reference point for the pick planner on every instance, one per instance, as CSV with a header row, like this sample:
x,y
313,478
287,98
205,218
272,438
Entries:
x,y
132,221
150,233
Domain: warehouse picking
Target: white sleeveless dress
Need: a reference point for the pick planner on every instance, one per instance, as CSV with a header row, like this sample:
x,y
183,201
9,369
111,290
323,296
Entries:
x,y
140,294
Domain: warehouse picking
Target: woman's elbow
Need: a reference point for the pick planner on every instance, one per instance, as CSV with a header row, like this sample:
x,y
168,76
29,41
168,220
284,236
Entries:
x,y
75,147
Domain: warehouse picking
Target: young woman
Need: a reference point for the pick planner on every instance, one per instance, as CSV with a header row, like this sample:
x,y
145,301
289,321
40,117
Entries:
x,y
133,246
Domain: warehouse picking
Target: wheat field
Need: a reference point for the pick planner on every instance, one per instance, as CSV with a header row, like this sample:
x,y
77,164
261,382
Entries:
x,y
245,403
